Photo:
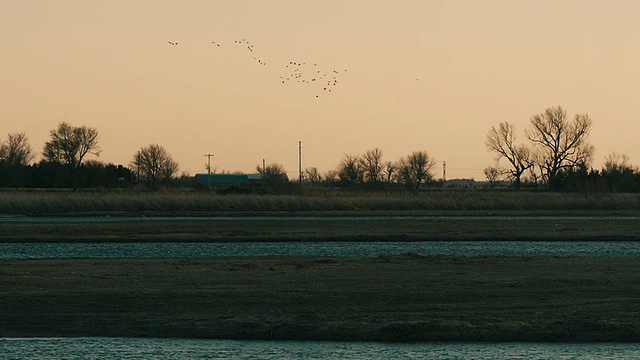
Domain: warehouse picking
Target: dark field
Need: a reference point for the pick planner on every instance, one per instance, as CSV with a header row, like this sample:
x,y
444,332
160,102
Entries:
x,y
387,298
330,226
396,298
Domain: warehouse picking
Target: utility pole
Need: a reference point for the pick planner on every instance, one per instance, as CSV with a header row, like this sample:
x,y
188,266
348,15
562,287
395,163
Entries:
x,y
264,170
444,171
209,168
300,163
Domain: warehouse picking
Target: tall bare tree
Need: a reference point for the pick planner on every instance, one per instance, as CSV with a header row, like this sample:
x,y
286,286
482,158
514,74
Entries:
x,y
501,141
16,151
562,143
70,144
415,169
154,165
372,165
351,171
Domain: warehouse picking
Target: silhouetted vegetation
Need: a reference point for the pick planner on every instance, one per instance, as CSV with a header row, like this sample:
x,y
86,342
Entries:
x,y
558,158
68,146
44,174
502,142
558,147
154,166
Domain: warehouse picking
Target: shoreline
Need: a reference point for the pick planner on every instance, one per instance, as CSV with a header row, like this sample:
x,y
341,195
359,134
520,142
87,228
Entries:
x,y
400,298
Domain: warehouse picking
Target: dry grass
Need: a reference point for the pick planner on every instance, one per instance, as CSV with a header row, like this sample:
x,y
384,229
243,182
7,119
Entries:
x,y
43,202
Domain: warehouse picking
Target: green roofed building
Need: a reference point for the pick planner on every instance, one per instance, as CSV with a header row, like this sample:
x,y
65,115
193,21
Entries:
x,y
227,179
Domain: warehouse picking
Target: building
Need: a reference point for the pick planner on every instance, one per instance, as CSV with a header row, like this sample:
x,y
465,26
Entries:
x,y
218,180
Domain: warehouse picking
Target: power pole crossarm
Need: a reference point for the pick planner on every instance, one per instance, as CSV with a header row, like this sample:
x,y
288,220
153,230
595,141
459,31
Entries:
x,y
208,156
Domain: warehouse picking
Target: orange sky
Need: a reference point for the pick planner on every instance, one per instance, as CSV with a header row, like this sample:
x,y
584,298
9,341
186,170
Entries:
x,y
421,75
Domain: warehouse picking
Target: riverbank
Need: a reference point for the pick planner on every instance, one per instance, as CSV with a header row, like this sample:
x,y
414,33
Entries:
x,y
328,226
387,298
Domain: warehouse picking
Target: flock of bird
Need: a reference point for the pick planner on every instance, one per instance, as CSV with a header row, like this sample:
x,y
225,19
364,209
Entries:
x,y
303,73
311,74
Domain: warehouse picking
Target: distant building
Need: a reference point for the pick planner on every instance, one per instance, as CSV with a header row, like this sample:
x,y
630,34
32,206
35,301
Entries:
x,y
254,177
228,179
233,179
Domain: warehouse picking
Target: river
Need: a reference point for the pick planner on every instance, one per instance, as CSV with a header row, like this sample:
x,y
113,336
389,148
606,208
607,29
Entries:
x,y
150,348
367,249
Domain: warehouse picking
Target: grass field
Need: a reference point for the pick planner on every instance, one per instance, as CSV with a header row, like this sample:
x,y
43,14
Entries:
x,y
181,202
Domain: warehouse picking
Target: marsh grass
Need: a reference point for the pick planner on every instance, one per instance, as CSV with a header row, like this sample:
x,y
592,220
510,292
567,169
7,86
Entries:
x,y
185,202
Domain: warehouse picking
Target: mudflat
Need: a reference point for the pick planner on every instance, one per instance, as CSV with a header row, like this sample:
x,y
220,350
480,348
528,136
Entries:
x,y
387,298
332,226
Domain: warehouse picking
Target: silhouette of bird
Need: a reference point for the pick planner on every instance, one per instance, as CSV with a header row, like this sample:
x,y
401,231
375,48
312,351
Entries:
x,y
311,75
173,43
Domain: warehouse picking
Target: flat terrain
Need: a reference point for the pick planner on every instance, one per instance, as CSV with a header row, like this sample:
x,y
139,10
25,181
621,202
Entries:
x,y
396,298
333,226
387,298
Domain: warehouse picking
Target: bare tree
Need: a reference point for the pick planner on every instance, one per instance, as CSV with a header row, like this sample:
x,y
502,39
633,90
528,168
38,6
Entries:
x,y
351,171
615,162
331,177
16,151
69,145
501,141
618,172
536,172
415,169
371,162
492,173
313,175
389,170
154,165
562,143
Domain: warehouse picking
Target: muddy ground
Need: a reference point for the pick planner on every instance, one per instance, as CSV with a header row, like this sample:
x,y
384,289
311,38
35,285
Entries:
x,y
388,298
333,226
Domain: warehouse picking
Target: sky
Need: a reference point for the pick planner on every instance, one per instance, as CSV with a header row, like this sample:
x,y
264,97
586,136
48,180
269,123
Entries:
x,y
404,76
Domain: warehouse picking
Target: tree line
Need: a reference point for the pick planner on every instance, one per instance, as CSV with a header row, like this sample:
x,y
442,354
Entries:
x,y
63,162
557,156
369,172
63,165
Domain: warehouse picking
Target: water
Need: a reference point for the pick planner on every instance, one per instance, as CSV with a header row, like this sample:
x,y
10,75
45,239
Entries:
x,y
368,249
149,348
145,348
17,218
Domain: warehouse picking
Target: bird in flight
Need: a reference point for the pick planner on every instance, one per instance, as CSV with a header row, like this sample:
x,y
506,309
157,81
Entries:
x,y
310,75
